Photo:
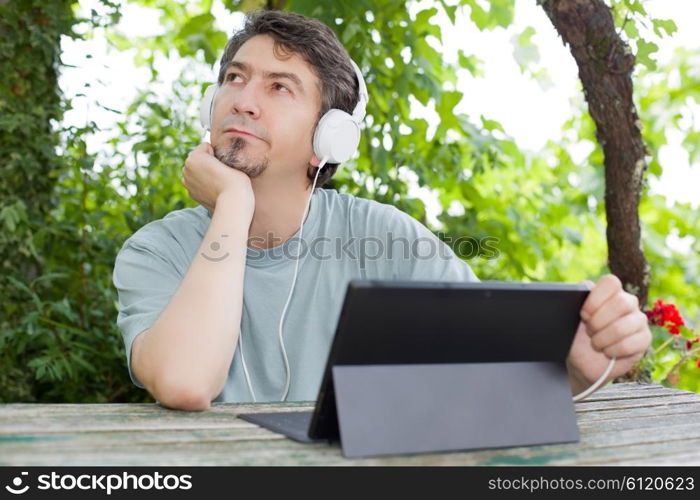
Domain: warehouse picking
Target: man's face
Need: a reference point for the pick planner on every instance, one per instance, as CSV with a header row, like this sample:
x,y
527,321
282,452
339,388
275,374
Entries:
x,y
265,111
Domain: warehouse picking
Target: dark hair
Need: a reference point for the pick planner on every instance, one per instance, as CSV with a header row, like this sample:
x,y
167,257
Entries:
x,y
317,44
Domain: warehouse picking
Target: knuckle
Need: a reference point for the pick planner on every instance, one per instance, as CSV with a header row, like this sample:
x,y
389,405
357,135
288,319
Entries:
x,y
596,343
630,302
594,325
629,345
617,329
634,343
633,300
642,320
622,302
611,351
612,281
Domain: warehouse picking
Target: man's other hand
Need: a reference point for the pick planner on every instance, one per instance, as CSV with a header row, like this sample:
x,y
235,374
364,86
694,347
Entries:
x,y
612,325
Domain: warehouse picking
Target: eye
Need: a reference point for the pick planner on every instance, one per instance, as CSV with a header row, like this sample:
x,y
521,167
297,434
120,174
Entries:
x,y
230,77
280,87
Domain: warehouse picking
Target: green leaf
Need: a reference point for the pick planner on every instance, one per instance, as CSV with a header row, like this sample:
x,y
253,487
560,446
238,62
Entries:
x,y
449,10
687,333
469,62
491,124
644,51
631,29
662,26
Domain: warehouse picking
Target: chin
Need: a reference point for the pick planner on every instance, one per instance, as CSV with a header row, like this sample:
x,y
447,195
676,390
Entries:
x,y
233,157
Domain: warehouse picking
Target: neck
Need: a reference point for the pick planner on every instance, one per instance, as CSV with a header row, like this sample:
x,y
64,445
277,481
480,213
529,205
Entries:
x,y
279,205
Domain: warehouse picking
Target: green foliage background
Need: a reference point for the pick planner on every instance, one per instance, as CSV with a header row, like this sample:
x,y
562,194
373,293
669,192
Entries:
x,y
64,212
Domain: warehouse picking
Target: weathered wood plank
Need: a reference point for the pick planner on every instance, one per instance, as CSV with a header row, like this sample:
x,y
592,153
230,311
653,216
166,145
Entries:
x,y
612,404
9,411
651,423
690,459
635,386
592,441
287,452
640,412
108,418
58,418
87,423
623,423
656,391
236,429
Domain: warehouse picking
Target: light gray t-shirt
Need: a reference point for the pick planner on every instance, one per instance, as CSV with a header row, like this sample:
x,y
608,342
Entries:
x,y
344,238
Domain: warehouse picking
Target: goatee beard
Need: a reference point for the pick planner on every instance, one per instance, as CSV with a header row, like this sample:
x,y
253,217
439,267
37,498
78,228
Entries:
x,y
231,156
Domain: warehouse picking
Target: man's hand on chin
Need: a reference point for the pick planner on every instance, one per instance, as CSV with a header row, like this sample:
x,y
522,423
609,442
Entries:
x,y
205,178
611,326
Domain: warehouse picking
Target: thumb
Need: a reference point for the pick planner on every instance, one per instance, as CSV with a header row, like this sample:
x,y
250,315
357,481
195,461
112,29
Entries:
x,y
586,308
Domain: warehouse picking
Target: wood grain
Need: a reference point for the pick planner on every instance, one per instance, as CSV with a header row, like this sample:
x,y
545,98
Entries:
x,y
621,424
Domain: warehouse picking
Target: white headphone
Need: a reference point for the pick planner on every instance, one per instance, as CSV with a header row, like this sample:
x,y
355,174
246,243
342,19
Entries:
x,y
336,138
337,133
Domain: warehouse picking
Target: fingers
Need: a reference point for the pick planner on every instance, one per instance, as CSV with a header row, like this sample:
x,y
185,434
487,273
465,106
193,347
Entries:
x,y
619,331
589,284
606,286
617,305
633,346
203,148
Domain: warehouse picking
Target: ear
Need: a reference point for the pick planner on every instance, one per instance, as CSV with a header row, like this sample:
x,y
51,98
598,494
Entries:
x,y
315,161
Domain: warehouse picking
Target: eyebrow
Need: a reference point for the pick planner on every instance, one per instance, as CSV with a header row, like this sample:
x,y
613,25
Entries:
x,y
269,75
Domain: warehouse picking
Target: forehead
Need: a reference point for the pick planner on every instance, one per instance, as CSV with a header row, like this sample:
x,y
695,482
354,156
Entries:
x,y
261,56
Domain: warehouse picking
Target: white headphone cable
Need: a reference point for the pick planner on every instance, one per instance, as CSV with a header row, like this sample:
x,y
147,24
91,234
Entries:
x,y
587,392
294,280
245,368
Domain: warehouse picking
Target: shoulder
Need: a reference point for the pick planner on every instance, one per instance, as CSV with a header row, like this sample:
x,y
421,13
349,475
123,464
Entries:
x,y
162,249
363,213
182,227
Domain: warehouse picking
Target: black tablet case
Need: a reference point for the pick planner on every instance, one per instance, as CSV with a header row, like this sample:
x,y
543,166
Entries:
x,y
434,366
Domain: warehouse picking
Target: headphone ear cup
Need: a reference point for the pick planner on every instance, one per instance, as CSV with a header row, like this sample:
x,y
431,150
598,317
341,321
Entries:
x,y
205,107
336,137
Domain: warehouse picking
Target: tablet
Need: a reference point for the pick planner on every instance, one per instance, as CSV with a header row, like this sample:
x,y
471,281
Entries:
x,y
426,323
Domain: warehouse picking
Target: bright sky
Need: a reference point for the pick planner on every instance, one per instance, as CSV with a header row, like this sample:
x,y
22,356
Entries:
x,y
502,94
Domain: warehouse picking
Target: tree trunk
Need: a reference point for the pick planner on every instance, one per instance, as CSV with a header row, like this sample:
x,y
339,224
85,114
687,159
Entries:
x,y
605,66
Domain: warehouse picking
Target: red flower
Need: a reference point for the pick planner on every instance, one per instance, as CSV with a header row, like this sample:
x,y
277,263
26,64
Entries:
x,y
665,315
698,362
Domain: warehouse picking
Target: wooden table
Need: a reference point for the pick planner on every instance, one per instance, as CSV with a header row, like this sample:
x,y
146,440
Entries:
x,y
629,424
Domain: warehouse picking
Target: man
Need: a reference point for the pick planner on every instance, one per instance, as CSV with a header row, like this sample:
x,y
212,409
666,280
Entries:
x,y
201,291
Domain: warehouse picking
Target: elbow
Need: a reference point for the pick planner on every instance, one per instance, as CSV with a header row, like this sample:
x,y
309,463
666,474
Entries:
x,y
182,396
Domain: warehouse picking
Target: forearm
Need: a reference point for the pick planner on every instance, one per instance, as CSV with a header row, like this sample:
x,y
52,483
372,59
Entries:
x,y
190,347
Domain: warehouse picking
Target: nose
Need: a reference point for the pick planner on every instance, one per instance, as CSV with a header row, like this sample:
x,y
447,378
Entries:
x,y
246,101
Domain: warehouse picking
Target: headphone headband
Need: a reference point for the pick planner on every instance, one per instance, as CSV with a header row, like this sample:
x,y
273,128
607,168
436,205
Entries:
x,y
363,96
